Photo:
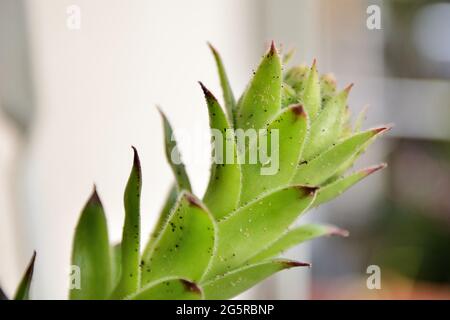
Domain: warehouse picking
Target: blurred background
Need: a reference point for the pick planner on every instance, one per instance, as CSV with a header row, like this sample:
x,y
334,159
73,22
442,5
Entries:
x,y
76,94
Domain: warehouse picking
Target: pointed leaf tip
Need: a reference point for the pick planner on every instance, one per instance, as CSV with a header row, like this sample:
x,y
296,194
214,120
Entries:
x,y
94,199
211,47
161,113
314,64
310,191
334,231
373,169
293,264
191,286
193,201
298,110
159,109
30,269
273,49
382,129
173,155
23,291
348,88
31,264
206,92
136,161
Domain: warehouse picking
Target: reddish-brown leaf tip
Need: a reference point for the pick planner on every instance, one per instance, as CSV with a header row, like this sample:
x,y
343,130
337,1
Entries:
x,y
314,63
191,286
94,199
136,161
382,129
193,201
348,88
298,110
293,264
273,49
206,92
308,190
375,168
335,231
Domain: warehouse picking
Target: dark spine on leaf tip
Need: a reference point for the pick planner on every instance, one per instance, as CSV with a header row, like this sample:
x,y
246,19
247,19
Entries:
x,y
373,169
207,93
298,110
30,268
292,264
94,199
273,49
381,129
306,190
213,50
136,162
190,286
348,88
193,201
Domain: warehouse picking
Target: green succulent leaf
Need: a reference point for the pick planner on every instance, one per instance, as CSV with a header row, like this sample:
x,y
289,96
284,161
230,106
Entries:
x,y
296,77
130,247
324,166
262,99
173,156
252,227
116,263
91,253
222,193
312,96
336,188
328,86
169,203
296,236
232,283
288,95
346,130
295,157
186,244
228,97
287,132
346,165
327,127
23,291
169,289
287,57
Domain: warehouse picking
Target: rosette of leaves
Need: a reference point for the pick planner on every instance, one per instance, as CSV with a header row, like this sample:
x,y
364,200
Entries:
x,y
232,238
225,242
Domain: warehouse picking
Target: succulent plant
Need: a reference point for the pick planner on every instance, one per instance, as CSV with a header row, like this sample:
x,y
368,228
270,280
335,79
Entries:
x,y
220,245
23,289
